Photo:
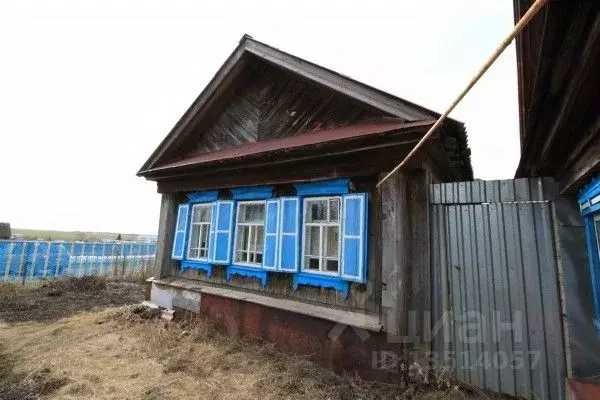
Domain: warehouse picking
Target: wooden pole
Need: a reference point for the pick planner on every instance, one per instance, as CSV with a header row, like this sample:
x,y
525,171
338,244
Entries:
x,y
532,12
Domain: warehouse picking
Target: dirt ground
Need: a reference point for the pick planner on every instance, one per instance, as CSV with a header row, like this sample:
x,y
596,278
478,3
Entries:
x,y
71,346
62,298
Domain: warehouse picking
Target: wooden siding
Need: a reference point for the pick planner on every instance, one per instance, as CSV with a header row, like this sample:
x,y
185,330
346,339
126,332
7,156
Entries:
x,y
558,99
273,104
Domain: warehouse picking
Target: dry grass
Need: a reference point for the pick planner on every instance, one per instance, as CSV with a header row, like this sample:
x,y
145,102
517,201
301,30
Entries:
x,y
56,343
128,353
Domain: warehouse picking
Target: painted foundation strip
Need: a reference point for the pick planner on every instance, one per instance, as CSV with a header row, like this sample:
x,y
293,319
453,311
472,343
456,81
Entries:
x,y
366,321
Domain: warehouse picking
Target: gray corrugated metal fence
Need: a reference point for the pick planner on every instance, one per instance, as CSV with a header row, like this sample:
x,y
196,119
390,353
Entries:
x,y
496,283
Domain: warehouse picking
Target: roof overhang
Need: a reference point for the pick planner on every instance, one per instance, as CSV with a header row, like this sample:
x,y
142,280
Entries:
x,y
358,150
289,146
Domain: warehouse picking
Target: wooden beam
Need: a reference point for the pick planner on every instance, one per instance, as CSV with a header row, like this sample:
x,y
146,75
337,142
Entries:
x,y
394,255
419,265
369,163
587,164
582,144
164,244
583,64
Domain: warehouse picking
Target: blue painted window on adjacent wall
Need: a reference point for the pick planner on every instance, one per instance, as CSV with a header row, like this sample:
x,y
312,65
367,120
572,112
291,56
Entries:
x,y
318,236
589,204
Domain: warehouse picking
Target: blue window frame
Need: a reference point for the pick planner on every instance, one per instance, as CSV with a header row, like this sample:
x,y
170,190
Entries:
x,y
318,236
200,232
250,233
589,204
322,238
195,243
180,232
289,235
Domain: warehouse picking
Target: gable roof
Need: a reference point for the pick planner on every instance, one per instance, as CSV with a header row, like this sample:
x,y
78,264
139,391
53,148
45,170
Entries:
x,y
249,51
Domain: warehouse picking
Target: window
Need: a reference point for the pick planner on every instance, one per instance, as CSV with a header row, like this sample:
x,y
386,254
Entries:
x,y
199,232
250,233
321,252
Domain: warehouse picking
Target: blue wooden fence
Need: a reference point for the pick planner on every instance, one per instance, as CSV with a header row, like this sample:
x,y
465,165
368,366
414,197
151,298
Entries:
x,y
31,261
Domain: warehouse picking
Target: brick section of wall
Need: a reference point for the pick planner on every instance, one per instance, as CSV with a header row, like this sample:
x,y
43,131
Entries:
x,y
338,347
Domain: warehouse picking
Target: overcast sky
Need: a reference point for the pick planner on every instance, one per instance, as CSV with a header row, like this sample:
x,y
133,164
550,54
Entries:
x,y
88,89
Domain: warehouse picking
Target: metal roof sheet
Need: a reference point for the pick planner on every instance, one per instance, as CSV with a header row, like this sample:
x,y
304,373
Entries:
x,y
307,139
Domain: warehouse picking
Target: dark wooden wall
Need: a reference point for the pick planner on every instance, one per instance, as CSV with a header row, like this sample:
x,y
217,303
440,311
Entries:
x,y
272,104
559,89
406,273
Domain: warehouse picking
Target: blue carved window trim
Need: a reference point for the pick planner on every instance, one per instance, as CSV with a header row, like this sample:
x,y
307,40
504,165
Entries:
x,y
589,205
197,265
339,188
207,197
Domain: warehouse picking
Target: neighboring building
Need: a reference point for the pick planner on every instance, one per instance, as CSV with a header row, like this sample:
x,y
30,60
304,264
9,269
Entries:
x,y
559,96
271,221
5,232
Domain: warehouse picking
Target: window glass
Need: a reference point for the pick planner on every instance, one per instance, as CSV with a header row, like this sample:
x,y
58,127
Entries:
x,y
200,232
322,235
334,209
201,214
316,210
333,241
250,234
252,213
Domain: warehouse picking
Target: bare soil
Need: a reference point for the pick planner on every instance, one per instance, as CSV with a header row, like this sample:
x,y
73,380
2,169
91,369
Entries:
x,y
62,298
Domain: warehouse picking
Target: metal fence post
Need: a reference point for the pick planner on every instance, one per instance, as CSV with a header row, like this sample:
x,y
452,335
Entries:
x,y
71,250
8,261
102,259
81,257
22,262
57,267
92,258
36,246
47,258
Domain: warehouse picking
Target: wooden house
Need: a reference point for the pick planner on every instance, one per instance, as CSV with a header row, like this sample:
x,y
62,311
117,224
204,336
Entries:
x,y
559,105
271,222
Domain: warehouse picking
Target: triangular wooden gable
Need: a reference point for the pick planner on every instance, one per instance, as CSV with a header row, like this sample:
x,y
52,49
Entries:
x,y
273,104
262,93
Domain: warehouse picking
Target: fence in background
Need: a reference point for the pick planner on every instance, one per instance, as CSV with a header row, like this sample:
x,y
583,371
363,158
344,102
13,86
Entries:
x,y
27,262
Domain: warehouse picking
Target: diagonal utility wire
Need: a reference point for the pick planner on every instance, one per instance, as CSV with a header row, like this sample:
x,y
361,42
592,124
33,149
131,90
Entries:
x,y
532,12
